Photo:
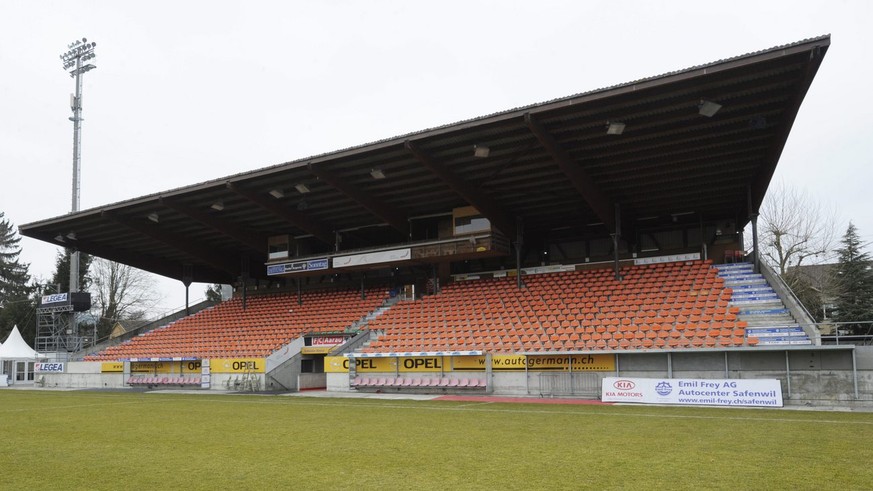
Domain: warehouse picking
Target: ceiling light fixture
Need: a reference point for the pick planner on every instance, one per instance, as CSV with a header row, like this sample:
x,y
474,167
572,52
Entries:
x,y
481,151
614,128
377,173
301,188
217,206
277,193
154,217
708,108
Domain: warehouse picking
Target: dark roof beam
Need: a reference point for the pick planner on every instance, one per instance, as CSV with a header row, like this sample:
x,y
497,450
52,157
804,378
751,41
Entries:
x,y
204,254
299,220
599,203
762,180
488,207
142,261
251,240
381,210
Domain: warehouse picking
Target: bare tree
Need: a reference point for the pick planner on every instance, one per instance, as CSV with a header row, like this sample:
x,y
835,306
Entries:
x,y
796,229
121,292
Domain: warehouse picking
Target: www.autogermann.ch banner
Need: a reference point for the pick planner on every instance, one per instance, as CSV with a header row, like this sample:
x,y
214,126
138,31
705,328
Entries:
x,y
698,392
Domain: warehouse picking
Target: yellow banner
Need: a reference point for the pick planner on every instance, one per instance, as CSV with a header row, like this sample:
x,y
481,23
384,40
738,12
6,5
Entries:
x,y
192,366
151,366
316,350
425,364
581,363
340,364
112,366
237,365
466,363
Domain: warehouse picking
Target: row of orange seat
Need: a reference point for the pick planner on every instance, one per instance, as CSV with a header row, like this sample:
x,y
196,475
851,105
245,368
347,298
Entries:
x,y
493,314
264,325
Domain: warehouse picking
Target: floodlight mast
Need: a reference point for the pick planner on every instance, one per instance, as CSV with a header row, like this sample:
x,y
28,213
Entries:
x,y
73,61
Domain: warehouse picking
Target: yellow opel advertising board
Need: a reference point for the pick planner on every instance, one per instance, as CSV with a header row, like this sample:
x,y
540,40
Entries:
x,y
580,363
340,364
111,367
237,365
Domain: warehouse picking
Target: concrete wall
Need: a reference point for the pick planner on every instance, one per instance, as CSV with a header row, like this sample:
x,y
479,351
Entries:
x,y
311,381
84,374
87,375
811,376
234,381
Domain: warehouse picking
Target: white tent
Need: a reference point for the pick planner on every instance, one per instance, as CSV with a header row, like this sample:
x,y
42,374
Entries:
x,y
16,358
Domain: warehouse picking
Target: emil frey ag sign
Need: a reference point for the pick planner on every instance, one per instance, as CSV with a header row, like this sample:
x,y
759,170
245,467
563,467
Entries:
x,y
698,392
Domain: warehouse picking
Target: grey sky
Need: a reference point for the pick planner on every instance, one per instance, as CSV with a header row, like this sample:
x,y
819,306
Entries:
x,y
190,91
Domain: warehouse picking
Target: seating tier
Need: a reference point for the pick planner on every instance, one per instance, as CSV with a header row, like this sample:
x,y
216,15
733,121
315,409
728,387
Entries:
x,y
267,323
672,305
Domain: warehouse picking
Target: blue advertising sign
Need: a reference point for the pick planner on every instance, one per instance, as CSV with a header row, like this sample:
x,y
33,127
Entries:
x,y
297,266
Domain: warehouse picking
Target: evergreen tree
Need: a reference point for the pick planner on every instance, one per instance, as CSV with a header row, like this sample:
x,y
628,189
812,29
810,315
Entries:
x,y
854,302
213,293
16,305
62,271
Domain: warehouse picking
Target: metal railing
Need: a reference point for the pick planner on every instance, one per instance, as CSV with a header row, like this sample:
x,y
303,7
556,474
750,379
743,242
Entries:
x,y
569,384
799,311
845,339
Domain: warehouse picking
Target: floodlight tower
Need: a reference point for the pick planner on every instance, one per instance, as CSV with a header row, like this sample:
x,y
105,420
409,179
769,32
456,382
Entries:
x,y
74,60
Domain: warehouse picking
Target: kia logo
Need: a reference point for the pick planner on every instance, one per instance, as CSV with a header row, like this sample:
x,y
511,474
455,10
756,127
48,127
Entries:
x,y
624,384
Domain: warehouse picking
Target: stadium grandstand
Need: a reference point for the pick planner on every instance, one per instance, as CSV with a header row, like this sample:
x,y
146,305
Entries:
x,y
532,251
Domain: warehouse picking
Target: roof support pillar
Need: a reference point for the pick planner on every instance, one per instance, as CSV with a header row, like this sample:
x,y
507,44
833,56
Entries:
x,y
519,242
616,237
753,218
187,278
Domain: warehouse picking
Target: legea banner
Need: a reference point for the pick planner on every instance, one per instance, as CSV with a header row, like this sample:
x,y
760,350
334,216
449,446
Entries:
x,y
703,392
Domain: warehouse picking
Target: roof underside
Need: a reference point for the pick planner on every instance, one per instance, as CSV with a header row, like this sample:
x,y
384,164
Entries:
x,y
553,165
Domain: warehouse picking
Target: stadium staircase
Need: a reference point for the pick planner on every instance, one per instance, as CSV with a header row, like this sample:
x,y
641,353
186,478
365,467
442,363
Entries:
x,y
769,321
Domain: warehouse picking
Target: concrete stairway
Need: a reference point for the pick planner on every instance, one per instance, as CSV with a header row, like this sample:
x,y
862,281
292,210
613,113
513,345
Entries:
x,y
769,321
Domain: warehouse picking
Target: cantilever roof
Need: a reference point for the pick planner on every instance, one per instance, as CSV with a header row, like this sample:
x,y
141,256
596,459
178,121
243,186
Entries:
x,y
551,164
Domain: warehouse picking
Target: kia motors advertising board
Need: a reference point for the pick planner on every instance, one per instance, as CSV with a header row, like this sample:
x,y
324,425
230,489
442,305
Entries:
x,y
696,392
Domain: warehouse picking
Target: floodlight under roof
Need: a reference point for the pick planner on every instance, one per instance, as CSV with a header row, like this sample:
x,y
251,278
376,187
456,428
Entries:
x,y
154,217
277,193
217,206
614,128
377,173
708,108
301,188
481,151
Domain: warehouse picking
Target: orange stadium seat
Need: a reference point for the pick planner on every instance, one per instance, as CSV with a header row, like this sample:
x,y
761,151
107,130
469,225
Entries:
x,y
656,306
267,323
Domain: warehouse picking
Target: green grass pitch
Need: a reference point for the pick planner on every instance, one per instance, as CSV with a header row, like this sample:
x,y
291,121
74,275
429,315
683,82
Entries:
x,y
120,440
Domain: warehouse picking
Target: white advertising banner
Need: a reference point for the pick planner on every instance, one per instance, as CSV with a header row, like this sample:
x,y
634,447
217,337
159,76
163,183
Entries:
x,y
372,258
698,392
